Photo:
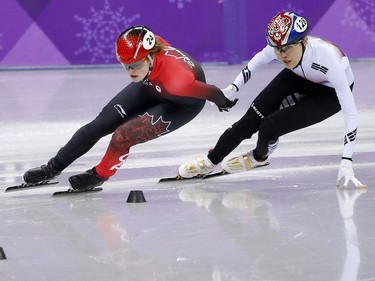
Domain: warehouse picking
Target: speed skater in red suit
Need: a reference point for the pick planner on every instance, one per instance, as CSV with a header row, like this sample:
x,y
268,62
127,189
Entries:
x,y
167,91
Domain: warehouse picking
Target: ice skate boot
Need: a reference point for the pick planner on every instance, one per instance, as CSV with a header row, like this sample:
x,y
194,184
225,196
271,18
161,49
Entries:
x,y
41,174
86,181
199,167
242,163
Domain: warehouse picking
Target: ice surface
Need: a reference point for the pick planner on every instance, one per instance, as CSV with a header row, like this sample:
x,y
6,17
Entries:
x,y
283,222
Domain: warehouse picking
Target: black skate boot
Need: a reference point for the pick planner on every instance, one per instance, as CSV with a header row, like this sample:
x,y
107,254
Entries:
x,y
40,174
86,181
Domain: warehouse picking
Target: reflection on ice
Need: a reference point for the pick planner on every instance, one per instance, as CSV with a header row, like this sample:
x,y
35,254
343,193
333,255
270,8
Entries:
x,y
353,256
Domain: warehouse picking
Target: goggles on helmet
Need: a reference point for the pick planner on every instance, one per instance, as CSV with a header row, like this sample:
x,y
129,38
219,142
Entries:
x,y
285,49
135,65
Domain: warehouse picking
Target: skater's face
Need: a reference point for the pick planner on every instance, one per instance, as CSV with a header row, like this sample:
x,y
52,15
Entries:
x,y
290,55
138,70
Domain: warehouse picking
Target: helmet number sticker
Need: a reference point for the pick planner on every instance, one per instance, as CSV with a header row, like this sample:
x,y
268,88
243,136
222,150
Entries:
x,y
149,40
300,24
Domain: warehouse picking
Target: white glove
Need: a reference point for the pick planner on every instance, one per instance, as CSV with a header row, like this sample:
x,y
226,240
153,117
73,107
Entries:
x,y
230,90
346,174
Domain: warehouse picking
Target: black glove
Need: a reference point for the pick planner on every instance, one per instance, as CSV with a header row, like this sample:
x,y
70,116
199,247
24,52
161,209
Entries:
x,y
228,105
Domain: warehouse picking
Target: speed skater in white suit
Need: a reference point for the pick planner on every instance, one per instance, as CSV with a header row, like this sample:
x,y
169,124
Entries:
x,y
315,84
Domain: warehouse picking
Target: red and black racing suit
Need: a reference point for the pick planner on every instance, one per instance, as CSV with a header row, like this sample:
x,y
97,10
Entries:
x,y
172,95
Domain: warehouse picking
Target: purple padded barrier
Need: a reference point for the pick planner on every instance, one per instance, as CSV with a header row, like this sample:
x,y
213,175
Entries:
x,y
62,33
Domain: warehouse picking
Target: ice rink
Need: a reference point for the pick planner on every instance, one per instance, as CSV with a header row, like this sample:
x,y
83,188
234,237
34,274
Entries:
x,y
283,222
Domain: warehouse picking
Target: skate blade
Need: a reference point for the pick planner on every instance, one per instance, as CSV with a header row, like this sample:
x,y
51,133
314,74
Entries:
x,y
29,186
202,177
72,191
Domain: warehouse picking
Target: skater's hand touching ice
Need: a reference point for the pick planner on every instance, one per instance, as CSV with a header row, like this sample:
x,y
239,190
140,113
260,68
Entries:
x,y
346,174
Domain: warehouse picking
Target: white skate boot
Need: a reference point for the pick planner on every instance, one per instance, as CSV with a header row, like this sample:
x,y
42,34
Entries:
x,y
199,167
242,163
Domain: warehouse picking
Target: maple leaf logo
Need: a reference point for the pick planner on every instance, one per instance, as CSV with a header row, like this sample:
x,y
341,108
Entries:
x,y
142,129
157,127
